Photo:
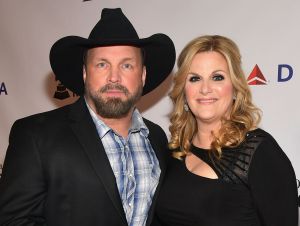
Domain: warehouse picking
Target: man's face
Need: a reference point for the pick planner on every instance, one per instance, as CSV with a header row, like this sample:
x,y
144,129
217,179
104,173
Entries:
x,y
114,77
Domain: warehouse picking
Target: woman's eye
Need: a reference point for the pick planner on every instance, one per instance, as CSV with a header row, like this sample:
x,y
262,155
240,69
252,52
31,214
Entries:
x,y
218,77
194,78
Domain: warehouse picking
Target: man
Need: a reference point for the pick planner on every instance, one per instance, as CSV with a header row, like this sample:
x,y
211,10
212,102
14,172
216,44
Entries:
x,y
97,161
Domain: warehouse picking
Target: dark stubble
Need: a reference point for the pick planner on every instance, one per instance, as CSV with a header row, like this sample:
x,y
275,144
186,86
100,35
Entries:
x,y
113,107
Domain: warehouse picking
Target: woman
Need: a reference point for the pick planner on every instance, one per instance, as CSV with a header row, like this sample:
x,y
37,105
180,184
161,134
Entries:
x,y
224,170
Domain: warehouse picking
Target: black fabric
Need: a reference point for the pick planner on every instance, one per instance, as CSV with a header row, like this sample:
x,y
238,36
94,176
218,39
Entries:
x,y
56,172
259,191
66,54
234,164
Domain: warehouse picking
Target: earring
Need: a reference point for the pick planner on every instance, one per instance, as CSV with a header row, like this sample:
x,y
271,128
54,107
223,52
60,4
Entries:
x,y
186,107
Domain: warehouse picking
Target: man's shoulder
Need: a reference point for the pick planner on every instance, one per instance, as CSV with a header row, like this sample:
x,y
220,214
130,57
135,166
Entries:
x,y
151,124
43,119
51,114
154,128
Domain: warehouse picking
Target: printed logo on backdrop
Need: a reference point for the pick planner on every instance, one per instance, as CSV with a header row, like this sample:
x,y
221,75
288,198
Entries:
x,y
62,93
256,77
3,89
284,73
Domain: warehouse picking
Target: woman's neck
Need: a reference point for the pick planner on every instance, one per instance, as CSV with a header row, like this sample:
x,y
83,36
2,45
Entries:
x,y
204,136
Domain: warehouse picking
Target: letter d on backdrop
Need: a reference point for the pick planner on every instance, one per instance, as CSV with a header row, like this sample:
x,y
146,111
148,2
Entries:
x,y
283,77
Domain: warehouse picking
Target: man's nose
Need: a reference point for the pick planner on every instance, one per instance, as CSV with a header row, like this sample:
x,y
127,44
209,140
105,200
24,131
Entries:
x,y
114,75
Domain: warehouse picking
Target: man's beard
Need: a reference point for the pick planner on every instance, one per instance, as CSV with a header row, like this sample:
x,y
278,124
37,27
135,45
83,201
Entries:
x,y
113,107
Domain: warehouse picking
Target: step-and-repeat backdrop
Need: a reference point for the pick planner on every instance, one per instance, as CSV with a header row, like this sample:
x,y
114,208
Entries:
x,y
267,33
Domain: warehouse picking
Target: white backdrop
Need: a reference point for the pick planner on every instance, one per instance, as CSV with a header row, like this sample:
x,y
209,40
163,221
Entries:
x,y
267,33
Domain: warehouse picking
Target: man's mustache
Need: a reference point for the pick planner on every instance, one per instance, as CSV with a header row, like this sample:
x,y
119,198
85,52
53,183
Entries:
x,y
114,87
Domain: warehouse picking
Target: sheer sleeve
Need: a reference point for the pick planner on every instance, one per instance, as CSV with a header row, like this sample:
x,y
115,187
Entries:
x,y
273,185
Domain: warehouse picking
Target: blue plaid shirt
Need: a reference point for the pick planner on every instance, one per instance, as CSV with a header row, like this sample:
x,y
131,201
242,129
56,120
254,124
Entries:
x,y
134,164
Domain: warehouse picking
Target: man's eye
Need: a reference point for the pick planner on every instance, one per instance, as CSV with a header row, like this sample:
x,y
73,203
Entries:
x,y
218,77
127,66
101,65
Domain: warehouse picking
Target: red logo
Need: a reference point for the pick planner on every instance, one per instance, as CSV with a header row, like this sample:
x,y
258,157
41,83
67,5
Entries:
x,y
256,77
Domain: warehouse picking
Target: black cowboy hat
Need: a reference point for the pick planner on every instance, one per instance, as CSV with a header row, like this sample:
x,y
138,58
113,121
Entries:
x,y
66,55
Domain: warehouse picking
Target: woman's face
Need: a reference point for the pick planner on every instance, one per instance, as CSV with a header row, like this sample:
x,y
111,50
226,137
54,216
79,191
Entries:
x,y
208,88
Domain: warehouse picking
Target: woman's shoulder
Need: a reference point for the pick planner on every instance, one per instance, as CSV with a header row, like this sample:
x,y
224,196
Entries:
x,y
257,137
239,159
269,158
261,140
258,133
267,146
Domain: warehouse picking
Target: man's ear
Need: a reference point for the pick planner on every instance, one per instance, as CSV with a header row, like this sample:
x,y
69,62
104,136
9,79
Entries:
x,y
83,73
144,74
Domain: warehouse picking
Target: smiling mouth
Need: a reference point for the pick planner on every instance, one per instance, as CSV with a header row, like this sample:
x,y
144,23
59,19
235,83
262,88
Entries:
x,y
207,101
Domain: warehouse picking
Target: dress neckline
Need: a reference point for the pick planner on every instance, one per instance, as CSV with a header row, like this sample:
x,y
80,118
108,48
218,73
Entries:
x,y
204,155
201,153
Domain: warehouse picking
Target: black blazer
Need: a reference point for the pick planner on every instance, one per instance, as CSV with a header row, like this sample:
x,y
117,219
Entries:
x,y
56,172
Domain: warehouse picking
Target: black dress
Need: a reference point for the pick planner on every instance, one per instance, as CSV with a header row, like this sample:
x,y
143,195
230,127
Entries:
x,y
256,186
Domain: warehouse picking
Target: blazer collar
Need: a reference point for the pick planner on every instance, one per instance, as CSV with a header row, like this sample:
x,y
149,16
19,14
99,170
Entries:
x,y
85,130
161,153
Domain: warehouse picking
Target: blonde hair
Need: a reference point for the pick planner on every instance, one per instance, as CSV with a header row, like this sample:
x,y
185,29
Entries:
x,y
244,115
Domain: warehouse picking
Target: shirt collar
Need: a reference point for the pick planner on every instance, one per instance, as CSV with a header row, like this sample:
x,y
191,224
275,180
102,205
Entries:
x,y
138,123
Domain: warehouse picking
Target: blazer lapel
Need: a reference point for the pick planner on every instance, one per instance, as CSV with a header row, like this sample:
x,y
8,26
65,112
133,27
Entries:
x,y
161,153
86,132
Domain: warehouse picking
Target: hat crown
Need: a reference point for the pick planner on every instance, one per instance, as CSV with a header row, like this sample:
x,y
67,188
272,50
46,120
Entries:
x,y
113,28
113,25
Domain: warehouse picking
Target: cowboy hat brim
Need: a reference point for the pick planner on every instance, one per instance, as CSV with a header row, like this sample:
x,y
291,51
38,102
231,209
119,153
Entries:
x,y
66,59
